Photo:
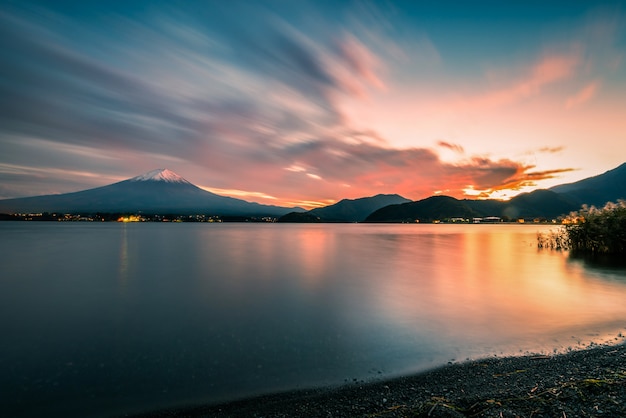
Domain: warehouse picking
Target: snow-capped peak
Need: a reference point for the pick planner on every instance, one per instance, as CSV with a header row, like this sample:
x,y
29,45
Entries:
x,y
161,174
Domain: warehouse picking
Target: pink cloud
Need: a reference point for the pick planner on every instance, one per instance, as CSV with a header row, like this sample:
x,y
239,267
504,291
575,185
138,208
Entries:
x,y
275,129
583,95
549,70
553,68
354,67
359,59
333,168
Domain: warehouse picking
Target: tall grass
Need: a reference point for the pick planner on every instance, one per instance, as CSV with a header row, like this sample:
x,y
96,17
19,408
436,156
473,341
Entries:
x,y
591,231
553,240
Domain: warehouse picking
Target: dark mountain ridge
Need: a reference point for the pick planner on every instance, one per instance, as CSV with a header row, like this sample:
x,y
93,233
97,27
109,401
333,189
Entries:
x,y
346,210
157,192
356,210
538,204
426,210
597,190
545,204
164,192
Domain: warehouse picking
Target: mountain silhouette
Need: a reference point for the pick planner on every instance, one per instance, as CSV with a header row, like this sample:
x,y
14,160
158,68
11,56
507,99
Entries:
x,y
426,210
545,204
165,192
598,190
538,204
156,192
346,210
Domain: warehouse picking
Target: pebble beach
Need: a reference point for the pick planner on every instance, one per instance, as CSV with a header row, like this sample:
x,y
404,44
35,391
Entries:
x,y
584,383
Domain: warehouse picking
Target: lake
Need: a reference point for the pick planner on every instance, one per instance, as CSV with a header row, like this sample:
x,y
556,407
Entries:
x,y
109,319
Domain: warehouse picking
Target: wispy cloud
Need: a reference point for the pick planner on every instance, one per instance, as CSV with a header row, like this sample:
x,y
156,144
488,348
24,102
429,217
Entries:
x,y
453,147
243,194
549,69
253,104
583,95
551,150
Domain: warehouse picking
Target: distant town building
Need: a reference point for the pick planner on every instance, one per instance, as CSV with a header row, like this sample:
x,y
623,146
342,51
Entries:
x,y
487,219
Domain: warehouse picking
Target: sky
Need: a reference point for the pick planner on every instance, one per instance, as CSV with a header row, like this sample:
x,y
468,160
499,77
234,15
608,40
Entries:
x,y
304,103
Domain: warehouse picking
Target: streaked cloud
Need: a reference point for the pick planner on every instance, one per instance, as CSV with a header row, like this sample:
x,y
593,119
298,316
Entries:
x,y
551,150
260,103
243,194
582,96
547,70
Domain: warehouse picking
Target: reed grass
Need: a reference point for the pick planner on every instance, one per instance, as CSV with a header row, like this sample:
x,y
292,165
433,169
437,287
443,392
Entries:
x,y
590,231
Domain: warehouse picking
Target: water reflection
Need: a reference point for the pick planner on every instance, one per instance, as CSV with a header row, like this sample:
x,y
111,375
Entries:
x,y
215,312
487,289
609,267
123,260
316,249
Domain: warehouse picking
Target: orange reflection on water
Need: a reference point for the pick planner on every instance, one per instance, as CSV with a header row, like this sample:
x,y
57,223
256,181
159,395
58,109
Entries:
x,y
494,286
316,251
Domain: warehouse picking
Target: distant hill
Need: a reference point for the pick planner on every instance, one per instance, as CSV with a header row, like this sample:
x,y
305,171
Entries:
x,y
156,192
346,210
164,192
548,204
538,204
356,210
426,210
607,187
299,217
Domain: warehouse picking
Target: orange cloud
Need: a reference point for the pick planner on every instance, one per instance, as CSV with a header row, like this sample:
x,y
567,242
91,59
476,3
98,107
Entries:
x,y
522,178
321,169
552,150
414,172
453,147
243,194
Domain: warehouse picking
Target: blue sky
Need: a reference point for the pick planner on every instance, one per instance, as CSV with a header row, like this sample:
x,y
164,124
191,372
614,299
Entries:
x,y
310,102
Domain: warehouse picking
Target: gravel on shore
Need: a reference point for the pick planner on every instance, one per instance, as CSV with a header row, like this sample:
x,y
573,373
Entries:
x,y
585,383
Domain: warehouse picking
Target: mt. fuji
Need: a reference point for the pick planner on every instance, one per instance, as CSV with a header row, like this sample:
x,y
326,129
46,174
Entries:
x,y
160,174
156,192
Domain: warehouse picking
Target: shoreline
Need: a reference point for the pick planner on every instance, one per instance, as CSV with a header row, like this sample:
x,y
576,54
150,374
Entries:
x,y
587,382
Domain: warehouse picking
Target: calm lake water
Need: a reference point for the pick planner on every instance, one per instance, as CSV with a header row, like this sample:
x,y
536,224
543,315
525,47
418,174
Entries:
x,y
108,319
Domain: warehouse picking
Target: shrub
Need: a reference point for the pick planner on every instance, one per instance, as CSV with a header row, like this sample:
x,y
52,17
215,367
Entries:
x,y
599,231
590,231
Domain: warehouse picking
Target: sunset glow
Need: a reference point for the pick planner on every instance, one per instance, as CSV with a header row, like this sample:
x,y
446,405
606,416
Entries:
x,y
306,103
